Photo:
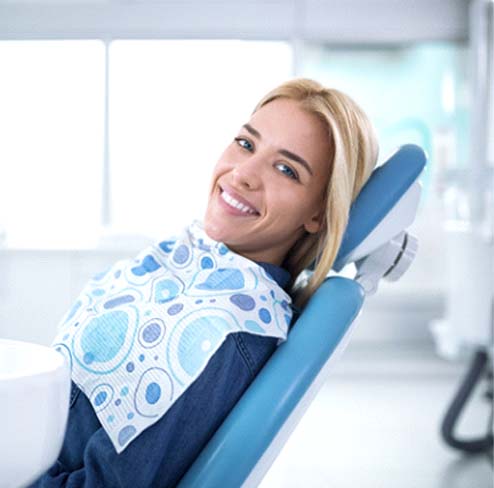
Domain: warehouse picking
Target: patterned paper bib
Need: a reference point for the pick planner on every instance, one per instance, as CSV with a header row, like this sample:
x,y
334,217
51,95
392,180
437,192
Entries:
x,y
143,331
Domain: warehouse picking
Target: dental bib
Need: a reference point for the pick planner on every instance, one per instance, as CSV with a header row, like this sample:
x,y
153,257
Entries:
x,y
143,331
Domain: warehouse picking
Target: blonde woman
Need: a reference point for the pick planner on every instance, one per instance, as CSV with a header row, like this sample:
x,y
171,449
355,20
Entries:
x,y
145,399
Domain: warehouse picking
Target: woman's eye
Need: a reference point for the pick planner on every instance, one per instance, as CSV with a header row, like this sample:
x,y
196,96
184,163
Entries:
x,y
286,170
244,143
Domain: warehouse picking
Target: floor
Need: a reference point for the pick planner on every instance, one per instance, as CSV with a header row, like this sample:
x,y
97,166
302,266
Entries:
x,y
375,424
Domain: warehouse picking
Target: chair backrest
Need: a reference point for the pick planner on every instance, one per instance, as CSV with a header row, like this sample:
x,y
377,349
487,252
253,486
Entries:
x,y
389,187
248,441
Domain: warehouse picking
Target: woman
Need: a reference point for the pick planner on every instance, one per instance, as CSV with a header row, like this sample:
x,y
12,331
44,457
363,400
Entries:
x,y
279,200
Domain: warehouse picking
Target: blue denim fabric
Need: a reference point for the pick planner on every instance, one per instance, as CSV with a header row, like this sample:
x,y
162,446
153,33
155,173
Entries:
x,y
161,454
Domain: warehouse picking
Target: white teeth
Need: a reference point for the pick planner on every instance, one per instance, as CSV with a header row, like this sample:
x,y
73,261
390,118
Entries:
x,y
236,204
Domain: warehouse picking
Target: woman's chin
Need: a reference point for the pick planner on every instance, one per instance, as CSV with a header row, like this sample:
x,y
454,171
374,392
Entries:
x,y
215,231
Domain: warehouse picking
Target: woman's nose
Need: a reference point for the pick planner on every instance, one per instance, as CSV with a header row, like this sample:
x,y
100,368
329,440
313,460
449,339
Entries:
x,y
248,173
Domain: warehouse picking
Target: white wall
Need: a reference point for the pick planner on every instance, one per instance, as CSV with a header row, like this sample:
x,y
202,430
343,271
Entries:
x,y
37,287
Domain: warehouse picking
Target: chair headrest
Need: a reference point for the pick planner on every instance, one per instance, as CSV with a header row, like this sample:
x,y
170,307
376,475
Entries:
x,y
387,185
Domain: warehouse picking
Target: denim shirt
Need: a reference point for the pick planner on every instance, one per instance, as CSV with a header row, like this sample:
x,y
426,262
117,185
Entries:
x,y
161,455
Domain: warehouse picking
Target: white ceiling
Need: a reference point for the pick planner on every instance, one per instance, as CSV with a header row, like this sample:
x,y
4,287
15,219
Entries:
x,y
335,21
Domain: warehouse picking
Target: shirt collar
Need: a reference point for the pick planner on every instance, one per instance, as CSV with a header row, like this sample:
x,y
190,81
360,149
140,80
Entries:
x,y
279,274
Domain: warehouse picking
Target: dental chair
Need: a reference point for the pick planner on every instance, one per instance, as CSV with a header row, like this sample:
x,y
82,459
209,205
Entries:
x,y
246,444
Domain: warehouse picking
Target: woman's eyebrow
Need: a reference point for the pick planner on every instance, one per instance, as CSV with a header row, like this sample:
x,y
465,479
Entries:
x,y
253,131
283,152
296,158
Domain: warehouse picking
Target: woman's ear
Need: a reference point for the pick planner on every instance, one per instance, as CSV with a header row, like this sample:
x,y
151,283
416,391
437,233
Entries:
x,y
314,224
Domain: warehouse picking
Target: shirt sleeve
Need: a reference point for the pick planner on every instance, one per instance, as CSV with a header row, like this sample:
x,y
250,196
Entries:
x,y
161,454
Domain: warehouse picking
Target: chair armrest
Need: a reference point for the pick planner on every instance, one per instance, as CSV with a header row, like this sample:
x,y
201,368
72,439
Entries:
x,y
255,421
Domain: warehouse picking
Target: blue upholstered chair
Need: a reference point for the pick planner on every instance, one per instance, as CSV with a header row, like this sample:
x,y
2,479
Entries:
x,y
246,444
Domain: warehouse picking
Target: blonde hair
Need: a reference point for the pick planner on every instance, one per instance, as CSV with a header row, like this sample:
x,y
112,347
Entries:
x,y
353,158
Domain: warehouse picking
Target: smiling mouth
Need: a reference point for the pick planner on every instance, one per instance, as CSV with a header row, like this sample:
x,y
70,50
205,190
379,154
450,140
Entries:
x,y
232,202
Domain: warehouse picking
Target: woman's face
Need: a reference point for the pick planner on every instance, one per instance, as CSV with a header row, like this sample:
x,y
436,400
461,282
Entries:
x,y
268,185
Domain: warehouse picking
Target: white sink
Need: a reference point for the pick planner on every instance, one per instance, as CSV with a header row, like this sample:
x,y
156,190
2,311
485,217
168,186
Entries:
x,y
34,403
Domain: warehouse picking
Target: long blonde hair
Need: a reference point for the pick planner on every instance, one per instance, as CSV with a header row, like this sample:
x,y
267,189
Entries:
x,y
353,158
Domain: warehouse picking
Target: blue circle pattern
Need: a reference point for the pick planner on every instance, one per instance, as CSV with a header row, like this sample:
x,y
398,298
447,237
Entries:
x,y
102,396
148,265
152,333
253,326
88,357
99,276
264,315
120,300
153,393
104,336
242,301
74,309
223,279
181,254
94,340
166,246
204,330
126,434
166,290
175,308
154,390
207,263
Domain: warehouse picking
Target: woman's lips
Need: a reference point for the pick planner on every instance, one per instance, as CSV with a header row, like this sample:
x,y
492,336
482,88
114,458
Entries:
x,y
236,204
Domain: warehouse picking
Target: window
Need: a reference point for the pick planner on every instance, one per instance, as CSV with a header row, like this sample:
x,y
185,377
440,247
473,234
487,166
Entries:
x,y
51,150
173,106
414,93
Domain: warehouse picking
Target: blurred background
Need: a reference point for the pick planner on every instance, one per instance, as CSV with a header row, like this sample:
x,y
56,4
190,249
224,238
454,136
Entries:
x,y
113,114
